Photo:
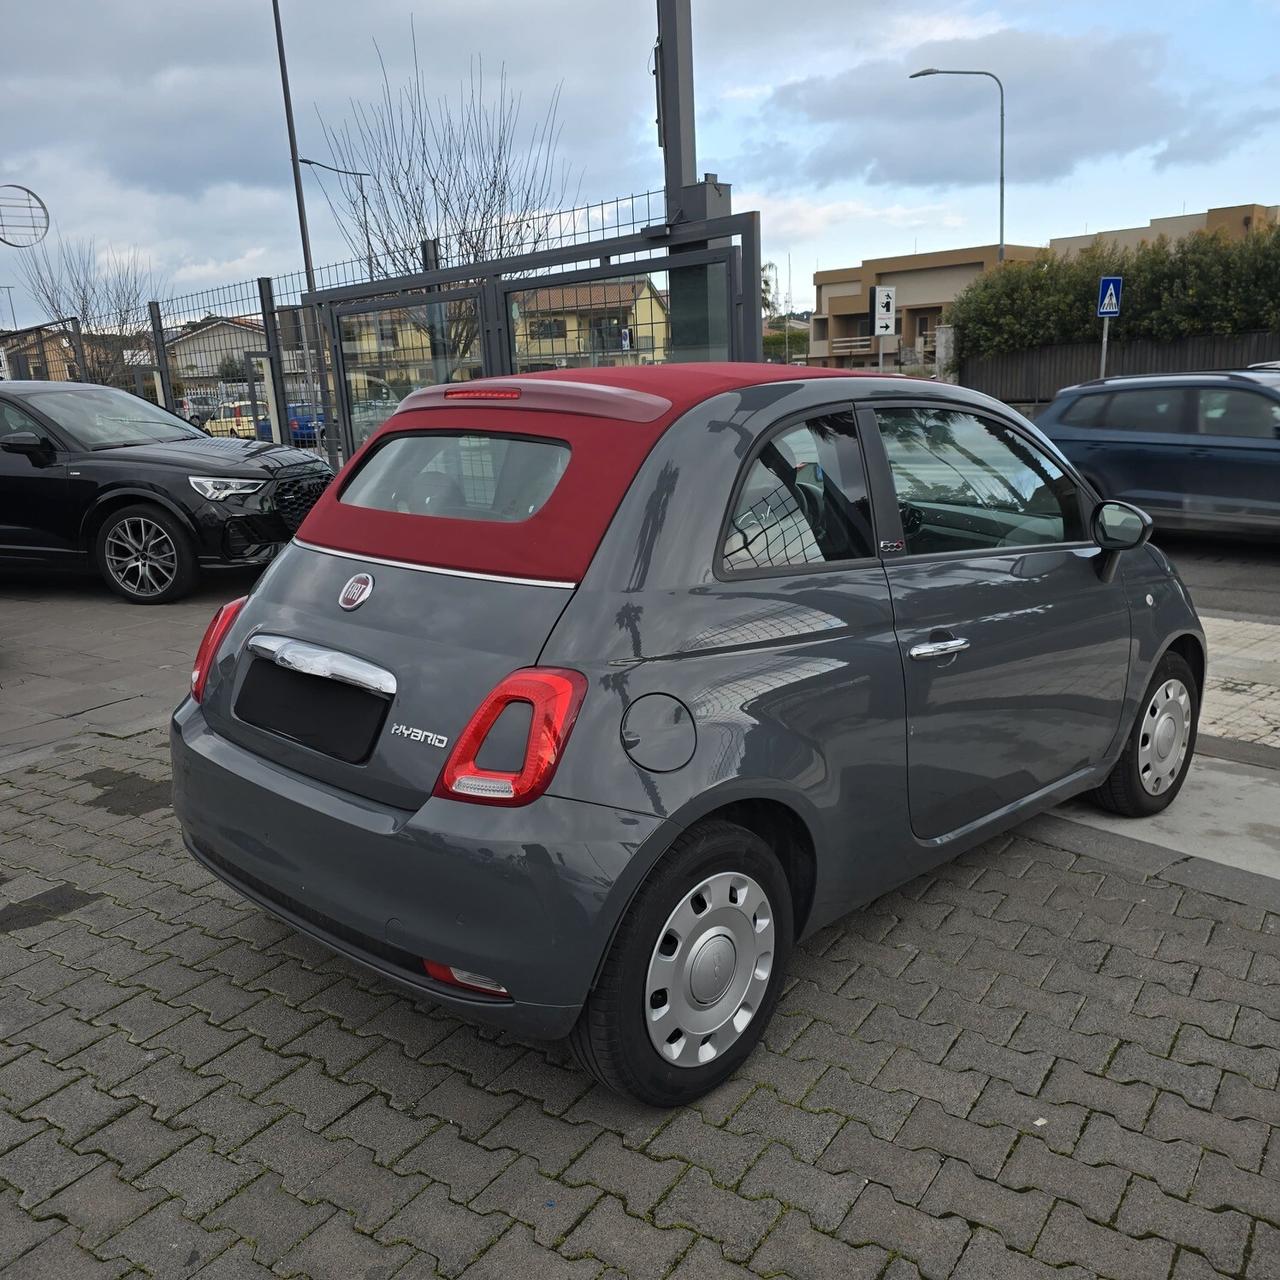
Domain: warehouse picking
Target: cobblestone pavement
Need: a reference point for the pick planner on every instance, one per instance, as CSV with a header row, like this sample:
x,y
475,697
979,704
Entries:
x,y
1032,1063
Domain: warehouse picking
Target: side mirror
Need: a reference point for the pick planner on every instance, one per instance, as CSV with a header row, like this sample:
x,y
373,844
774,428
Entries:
x,y
1117,527
24,442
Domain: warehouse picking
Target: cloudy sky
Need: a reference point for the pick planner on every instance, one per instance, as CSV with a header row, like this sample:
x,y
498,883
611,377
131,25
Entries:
x,y
159,125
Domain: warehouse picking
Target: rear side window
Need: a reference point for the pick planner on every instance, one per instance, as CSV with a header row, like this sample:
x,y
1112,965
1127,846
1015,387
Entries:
x,y
804,501
1161,409
460,476
1229,412
1084,411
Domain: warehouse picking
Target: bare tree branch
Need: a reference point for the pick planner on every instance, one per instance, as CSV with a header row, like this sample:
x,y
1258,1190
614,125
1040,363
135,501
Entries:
x,y
106,290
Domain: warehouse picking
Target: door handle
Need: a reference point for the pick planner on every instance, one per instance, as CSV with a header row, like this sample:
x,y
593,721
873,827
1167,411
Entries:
x,y
937,649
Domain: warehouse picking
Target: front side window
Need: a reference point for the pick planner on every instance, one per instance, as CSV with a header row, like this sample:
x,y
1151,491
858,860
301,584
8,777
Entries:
x,y
970,484
459,476
1159,409
1230,412
13,421
103,418
804,500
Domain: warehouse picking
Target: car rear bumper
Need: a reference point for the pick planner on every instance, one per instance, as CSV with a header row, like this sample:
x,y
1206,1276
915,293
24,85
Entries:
x,y
528,897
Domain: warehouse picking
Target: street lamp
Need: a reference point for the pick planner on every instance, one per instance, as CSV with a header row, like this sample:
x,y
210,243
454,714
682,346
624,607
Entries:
x,y
359,175
935,71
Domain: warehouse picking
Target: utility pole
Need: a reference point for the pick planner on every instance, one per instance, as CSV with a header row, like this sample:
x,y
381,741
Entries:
x,y
13,315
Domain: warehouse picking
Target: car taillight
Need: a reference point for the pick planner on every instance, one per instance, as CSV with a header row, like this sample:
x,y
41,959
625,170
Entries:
x,y
477,393
554,694
215,634
293,424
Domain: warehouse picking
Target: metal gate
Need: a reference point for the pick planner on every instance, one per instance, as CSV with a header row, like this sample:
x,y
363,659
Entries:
x,y
666,294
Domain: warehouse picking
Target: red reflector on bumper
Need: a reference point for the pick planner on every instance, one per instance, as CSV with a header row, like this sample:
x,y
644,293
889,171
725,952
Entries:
x,y
463,978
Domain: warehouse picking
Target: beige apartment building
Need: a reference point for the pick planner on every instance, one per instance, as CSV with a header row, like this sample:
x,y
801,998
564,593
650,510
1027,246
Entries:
x,y
840,329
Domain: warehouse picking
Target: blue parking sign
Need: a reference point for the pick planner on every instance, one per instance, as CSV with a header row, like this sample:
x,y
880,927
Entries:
x,y
1109,289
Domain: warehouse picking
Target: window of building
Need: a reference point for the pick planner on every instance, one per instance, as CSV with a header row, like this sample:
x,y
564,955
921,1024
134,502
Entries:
x,y
547,327
804,501
1227,411
969,484
388,332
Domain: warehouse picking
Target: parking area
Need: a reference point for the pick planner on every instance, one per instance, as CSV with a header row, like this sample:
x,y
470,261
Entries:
x,y
1057,1056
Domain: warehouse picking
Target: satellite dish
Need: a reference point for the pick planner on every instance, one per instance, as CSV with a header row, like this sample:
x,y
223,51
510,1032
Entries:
x,y
24,220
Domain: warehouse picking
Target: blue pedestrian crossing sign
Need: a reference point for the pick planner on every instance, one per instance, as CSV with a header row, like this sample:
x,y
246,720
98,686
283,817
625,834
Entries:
x,y
1109,289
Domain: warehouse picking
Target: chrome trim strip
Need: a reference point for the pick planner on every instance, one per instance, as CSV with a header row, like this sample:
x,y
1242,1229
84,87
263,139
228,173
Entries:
x,y
429,568
330,664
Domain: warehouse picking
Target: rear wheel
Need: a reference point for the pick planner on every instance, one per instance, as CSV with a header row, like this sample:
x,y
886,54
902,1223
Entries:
x,y
694,972
1157,756
144,554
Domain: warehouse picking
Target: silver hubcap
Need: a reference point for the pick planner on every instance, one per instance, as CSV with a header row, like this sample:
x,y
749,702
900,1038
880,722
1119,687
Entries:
x,y
709,969
141,556
1164,735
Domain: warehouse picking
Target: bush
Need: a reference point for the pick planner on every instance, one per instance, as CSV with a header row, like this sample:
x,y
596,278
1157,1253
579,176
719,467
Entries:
x,y
1204,284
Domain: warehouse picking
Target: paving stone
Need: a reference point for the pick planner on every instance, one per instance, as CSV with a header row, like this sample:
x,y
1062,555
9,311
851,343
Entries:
x,y
228,1118
1264,1262
41,1166
1033,1166
727,1156
265,1213
641,1251
1191,1266
1237,1098
100,1204
517,1253
1243,1141
61,1256
364,1188
459,1102
28,1078
1251,1028
332,1045
983,1148
805,1132
1025,1071
167,1244
929,1040
1091,1052
795,1249
638,1179
552,1141
167,1086
882,1112
1261,1067
452,1234
1214,1016
1221,1237
389,1070
319,1099
447,1157
994,1025
202,1178
1196,1085
634,1122
1154,1033
1220,1185
844,1012
195,1040
57,1037
1130,1104
1017,1215
933,1244
789,1077
79,1109
1171,1164
532,1076
19,1231
549,1207
987,1257
825,1197
820,1043
295,1153
337,1251
1069,1237
386,1132
907,1173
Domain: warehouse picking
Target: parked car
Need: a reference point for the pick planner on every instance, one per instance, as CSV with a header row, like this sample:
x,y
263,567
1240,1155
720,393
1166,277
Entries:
x,y
196,409
91,477
584,695
1199,451
306,425
236,418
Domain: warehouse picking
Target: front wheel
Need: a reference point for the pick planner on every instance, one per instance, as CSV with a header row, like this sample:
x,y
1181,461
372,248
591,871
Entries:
x,y
1155,760
694,972
144,554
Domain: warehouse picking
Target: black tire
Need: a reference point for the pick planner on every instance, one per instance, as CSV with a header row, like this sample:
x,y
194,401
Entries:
x,y
1123,791
186,569
610,1039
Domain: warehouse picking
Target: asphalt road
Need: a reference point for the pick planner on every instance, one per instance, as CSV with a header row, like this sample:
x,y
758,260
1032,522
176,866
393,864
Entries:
x,y
1229,577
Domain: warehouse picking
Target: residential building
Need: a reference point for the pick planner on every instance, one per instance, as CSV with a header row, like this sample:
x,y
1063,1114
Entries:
x,y
1234,221
606,322
840,327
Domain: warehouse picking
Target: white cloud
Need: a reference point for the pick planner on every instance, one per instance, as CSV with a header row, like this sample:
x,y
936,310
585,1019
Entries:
x,y
787,218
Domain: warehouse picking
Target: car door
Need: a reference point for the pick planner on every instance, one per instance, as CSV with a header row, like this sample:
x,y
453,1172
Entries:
x,y
1014,651
35,518
1137,447
1236,460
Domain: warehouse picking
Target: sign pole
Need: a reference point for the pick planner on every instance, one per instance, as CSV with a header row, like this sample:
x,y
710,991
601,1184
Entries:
x,y
1106,326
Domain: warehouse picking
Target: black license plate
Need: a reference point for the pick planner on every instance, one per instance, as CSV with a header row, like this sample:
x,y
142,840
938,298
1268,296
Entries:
x,y
326,715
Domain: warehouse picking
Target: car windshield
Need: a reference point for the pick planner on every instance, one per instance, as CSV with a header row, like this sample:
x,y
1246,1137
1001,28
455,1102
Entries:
x,y
103,418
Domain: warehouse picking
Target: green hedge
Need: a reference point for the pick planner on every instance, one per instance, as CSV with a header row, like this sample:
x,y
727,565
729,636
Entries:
x,y
1204,284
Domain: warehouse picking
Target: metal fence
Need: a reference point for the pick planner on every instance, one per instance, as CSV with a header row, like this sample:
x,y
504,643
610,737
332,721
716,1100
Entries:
x,y
1035,377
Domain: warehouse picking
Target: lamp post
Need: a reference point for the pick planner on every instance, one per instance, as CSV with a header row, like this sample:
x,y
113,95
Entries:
x,y
936,71
359,175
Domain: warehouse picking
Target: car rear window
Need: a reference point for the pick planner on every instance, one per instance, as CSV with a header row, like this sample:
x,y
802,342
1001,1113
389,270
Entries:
x,y
459,476
1084,411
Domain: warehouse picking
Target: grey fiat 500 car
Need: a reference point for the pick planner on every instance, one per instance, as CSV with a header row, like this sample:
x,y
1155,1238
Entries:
x,y
578,697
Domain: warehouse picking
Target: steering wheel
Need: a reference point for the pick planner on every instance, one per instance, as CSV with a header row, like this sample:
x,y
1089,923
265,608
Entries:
x,y
912,518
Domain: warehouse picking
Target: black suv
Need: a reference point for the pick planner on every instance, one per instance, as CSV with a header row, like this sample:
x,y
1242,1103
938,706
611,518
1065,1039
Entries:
x,y
91,476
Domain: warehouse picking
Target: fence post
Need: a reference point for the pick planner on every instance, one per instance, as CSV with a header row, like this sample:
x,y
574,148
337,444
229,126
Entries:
x,y
77,342
437,326
162,356
275,358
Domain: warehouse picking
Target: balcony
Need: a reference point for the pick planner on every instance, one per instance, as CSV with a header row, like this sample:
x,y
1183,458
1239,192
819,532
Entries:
x,y
851,346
